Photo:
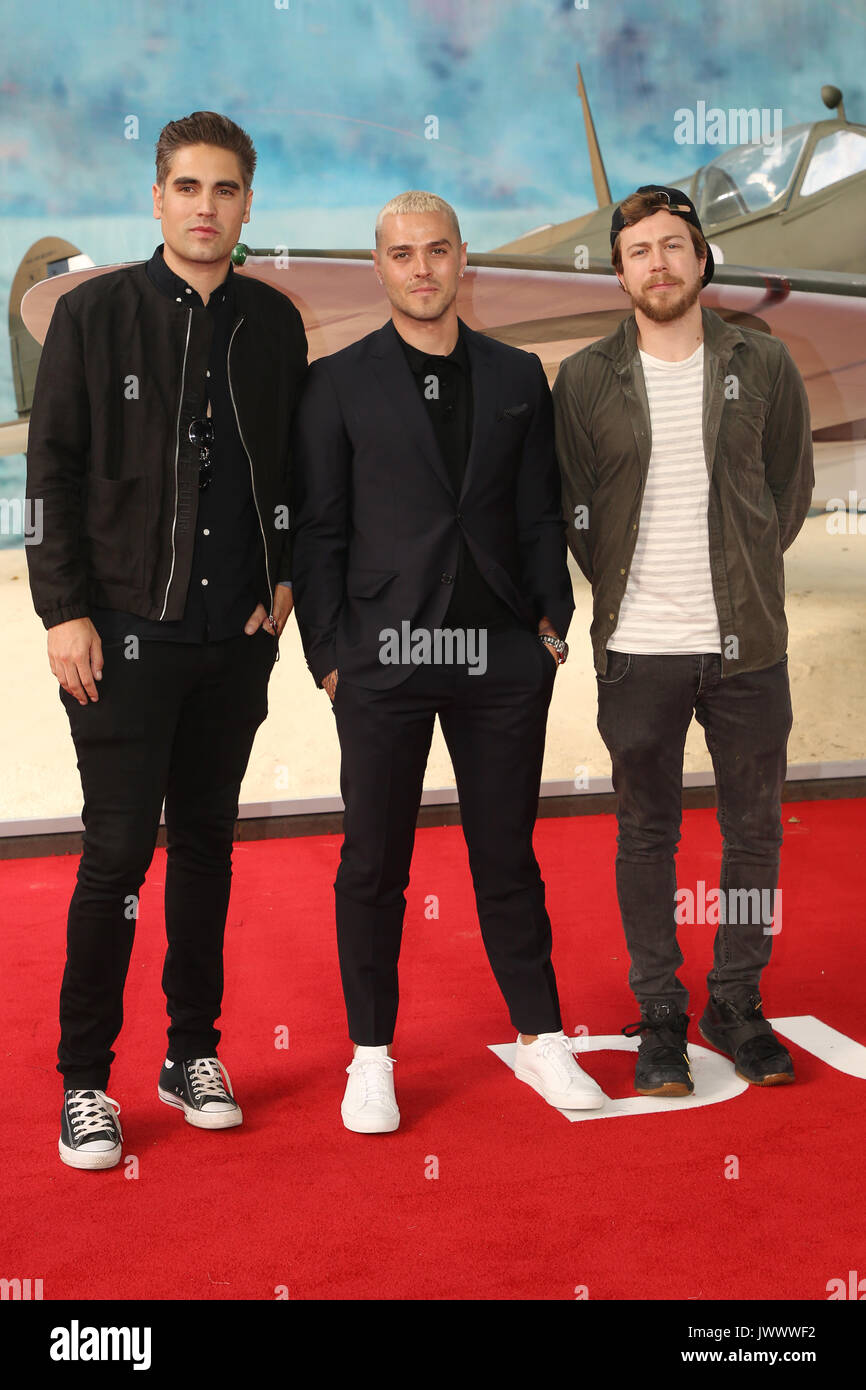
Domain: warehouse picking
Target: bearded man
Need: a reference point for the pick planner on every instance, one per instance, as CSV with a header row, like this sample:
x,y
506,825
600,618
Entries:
x,y
685,450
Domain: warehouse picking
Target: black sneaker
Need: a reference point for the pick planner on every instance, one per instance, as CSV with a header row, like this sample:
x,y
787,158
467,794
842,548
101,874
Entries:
x,y
197,1088
662,1061
90,1135
744,1035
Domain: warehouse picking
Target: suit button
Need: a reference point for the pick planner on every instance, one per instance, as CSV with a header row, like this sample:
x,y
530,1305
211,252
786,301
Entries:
x,y
447,579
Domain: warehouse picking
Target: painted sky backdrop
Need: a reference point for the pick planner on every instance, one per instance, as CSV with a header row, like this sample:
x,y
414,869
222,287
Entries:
x,y
336,94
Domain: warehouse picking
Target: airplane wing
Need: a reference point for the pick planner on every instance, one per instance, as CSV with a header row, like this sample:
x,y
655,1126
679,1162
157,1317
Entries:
x,y
553,310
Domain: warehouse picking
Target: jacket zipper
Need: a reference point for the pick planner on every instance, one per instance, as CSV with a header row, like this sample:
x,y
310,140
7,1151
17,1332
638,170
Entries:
x,y
176,455
249,460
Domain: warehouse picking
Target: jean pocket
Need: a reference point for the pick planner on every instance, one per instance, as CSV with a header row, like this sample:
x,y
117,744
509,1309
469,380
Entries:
x,y
618,667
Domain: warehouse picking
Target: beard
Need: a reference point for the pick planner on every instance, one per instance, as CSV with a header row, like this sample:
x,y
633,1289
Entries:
x,y
673,306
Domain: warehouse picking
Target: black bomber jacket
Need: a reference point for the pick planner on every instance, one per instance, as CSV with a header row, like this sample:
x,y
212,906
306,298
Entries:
x,y
109,463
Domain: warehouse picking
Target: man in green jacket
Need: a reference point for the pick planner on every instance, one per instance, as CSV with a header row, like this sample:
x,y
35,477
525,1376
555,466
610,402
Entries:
x,y
685,449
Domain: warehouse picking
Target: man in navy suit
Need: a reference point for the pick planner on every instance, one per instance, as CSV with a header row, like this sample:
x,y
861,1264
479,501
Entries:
x,y
430,577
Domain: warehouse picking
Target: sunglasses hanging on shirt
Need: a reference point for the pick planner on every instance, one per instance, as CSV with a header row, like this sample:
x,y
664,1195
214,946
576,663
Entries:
x,y
202,435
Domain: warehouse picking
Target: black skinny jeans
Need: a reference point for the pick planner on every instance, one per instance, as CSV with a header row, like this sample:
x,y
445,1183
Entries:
x,y
178,723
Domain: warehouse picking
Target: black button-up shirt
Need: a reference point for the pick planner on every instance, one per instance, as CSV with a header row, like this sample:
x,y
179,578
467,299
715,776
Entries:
x,y
445,384
228,577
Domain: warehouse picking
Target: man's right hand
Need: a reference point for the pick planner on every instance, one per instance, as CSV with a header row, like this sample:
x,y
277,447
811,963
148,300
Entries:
x,y
75,657
330,684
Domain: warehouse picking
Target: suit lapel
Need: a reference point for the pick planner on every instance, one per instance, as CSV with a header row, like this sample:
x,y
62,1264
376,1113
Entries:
x,y
394,375
484,399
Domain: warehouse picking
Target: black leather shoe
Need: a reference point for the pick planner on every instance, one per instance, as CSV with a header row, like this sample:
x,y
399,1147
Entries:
x,y
662,1061
744,1035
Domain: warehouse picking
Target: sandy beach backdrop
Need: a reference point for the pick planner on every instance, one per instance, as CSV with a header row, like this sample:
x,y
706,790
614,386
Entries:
x,y
296,756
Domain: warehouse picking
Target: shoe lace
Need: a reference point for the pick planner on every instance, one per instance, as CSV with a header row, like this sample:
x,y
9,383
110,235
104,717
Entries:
x,y
206,1079
632,1029
668,1049
374,1076
751,1010
93,1112
553,1050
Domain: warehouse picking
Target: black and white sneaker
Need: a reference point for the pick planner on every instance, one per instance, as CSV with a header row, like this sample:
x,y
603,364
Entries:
x,y
90,1135
196,1087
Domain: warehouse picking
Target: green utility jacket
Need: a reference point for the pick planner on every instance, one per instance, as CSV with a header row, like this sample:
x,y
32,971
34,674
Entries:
x,y
758,447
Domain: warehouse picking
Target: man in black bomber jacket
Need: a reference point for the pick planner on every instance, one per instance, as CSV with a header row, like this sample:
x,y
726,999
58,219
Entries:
x,y
159,456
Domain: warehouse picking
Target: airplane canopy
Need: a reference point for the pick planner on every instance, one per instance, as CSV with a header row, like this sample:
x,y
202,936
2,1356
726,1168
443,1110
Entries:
x,y
748,178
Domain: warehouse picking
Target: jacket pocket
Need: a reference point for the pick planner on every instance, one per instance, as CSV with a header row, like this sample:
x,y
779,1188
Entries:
x,y
114,526
367,583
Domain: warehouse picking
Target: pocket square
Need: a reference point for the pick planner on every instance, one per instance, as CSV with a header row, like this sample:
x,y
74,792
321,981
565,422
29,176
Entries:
x,y
513,412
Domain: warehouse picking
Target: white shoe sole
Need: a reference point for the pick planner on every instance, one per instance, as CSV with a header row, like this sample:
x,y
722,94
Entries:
x,y
202,1119
358,1124
79,1158
591,1102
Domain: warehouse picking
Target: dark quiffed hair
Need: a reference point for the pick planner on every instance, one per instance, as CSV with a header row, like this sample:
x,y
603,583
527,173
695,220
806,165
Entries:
x,y
205,128
640,205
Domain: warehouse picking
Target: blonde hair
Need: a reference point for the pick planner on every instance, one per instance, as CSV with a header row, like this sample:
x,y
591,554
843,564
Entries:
x,y
415,200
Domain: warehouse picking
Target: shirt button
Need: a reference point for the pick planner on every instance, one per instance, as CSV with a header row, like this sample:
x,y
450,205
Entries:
x,y
178,300
612,616
621,571
188,290
204,581
207,373
447,579
206,532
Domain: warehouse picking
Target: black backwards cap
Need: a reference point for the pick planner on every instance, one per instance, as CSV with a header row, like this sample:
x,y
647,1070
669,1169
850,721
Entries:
x,y
675,201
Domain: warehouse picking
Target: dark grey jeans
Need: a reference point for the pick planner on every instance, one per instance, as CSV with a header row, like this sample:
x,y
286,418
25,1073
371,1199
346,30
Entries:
x,y
645,706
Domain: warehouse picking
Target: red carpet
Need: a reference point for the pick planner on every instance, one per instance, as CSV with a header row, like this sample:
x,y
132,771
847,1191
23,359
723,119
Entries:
x,y
526,1205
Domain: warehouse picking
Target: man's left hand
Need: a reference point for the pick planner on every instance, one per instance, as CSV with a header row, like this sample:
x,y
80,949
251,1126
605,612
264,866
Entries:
x,y
282,610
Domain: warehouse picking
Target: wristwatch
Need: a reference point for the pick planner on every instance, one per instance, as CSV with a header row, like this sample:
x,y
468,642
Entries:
x,y
558,645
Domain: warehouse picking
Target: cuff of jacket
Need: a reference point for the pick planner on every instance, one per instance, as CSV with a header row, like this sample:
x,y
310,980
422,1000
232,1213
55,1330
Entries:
x,y
52,616
322,664
559,613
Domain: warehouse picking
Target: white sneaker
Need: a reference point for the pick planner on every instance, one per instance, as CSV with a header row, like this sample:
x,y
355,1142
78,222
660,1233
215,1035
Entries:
x,y
369,1104
549,1066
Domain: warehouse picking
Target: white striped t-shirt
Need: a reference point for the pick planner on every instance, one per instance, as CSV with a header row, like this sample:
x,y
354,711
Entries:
x,y
668,605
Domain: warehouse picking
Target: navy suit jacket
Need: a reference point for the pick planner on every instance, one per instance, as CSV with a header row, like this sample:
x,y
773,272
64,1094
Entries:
x,y
377,524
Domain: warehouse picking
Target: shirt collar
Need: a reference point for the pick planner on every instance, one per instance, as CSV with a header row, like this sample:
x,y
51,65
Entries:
x,y
419,360
171,285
